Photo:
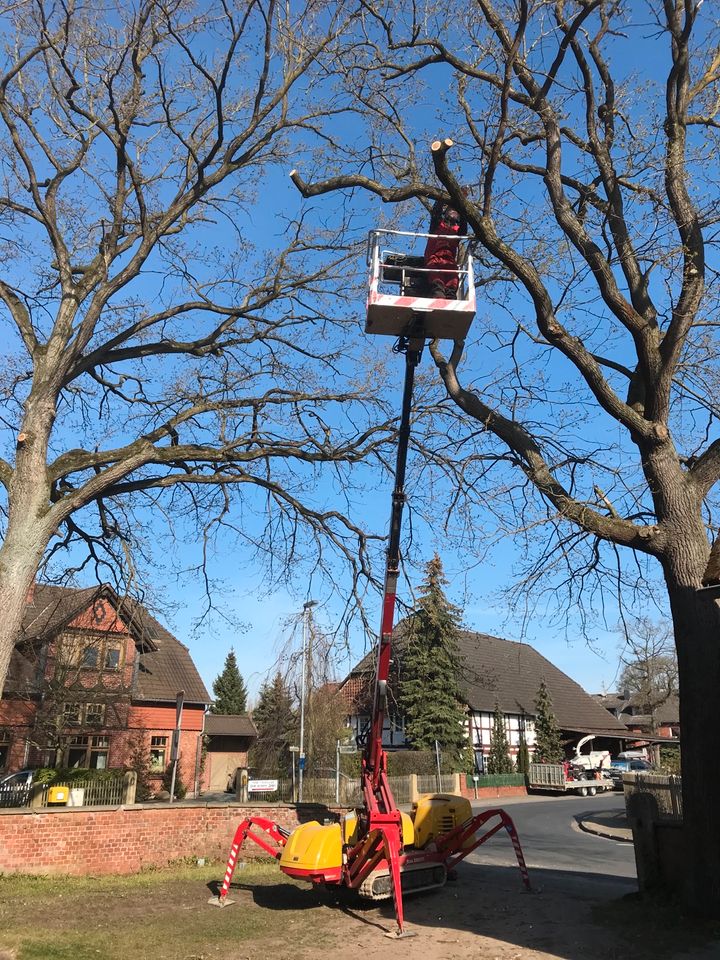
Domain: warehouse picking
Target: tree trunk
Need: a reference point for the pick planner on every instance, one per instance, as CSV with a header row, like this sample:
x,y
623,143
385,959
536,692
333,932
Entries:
x,y
29,526
696,622
20,557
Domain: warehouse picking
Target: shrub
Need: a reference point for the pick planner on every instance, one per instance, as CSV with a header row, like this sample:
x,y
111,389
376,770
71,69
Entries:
x,y
180,788
51,776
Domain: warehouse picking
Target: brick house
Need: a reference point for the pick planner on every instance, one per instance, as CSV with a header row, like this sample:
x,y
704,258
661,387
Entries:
x,y
93,679
494,671
628,708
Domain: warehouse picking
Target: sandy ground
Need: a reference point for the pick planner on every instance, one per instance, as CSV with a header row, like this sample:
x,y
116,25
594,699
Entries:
x,y
485,914
488,914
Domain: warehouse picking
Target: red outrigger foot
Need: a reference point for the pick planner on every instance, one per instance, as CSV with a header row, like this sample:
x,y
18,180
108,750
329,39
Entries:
x,y
243,832
458,843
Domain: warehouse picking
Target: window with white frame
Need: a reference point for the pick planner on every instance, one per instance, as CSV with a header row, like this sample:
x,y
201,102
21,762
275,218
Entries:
x,y
99,750
112,657
94,714
72,714
87,752
158,752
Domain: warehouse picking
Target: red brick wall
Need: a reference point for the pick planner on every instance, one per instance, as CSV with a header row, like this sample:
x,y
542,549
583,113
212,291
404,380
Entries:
x,y
121,749
86,841
15,717
490,793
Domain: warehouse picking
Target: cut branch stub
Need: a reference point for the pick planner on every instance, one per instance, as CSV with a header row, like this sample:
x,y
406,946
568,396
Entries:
x,y
439,146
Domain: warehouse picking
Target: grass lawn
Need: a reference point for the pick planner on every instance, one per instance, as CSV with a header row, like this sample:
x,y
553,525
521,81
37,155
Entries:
x,y
162,915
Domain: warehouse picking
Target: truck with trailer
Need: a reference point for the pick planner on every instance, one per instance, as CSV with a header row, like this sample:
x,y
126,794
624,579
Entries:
x,y
586,773
566,778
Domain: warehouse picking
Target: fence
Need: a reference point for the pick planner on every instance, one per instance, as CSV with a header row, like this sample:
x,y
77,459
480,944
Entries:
x,y
431,783
315,790
93,792
665,790
496,780
323,789
12,795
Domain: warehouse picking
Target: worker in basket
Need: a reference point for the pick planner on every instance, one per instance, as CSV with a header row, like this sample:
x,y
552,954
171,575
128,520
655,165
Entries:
x,y
441,250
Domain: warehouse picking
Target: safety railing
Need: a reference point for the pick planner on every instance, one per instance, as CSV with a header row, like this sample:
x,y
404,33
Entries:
x,y
402,266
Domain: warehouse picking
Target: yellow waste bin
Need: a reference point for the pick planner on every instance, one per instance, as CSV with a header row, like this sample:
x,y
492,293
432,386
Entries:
x,y
58,795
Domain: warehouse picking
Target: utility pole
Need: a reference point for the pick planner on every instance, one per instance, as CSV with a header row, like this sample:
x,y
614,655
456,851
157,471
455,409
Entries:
x,y
307,616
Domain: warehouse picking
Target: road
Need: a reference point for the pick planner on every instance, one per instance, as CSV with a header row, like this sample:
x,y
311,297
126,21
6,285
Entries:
x,y
551,839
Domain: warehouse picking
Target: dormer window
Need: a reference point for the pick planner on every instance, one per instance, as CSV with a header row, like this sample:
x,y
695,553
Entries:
x,y
90,657
112,658
97,653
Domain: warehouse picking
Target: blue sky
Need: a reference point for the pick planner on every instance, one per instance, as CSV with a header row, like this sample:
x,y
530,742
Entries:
x,y
254,615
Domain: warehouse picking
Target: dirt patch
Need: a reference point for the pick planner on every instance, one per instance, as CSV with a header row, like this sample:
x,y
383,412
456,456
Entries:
x,y
484,914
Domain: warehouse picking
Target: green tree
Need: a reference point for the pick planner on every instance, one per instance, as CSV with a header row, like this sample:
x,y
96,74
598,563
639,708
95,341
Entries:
x,y
277,726
180,788
140,760
548,746
229,688
523,757
428,691
499,758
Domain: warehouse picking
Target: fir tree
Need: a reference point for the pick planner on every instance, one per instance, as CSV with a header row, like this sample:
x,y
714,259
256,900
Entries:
x,y
499,758
229,688
428,692
277,727
548,745
180,788
523,757
140,760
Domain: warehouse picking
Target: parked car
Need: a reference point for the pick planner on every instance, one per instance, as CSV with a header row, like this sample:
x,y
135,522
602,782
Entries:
x,y
618,767
15,788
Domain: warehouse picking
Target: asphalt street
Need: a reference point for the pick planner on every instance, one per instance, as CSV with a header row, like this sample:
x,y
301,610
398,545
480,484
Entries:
x,y
552,841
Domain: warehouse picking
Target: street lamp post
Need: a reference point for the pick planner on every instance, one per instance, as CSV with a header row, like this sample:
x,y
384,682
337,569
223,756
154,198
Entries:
x,y
307,614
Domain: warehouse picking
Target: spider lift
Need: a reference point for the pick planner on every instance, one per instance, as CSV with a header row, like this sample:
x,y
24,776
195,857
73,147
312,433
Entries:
x,y
377,850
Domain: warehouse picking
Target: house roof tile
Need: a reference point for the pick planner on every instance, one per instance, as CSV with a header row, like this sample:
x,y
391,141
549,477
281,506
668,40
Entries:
x,y
164,667
667,713
509,673
230,725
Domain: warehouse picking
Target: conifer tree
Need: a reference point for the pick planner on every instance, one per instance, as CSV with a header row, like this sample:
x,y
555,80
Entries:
x,y
499,758
229,688
523,757
428,693
276,722
548,745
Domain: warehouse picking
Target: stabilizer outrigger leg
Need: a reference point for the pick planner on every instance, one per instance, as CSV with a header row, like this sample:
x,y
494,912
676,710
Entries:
x,y
243,832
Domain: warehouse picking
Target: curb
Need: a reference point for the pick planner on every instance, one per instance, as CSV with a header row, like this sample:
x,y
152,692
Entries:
x,y
620,834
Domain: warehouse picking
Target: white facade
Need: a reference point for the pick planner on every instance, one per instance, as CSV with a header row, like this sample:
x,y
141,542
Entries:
x,y
481,726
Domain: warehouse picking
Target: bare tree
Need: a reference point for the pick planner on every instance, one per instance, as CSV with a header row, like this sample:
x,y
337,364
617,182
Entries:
x,y
593,207
158,358
649,665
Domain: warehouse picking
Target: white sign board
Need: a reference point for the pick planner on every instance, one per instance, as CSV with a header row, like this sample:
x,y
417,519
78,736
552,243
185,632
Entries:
x,y
262,786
